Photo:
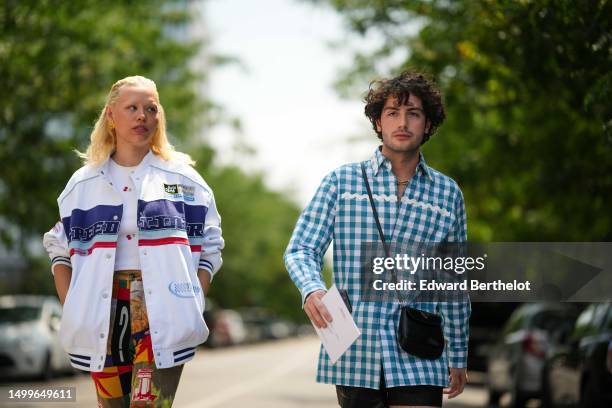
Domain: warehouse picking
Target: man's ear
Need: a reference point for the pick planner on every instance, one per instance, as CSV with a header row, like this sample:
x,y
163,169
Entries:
x,y
427,127
378,127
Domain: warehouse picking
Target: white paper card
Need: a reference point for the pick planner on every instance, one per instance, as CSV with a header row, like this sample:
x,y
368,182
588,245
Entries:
x,y
338,336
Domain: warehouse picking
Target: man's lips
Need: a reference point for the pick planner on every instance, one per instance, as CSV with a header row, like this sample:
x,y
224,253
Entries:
x,y
402,135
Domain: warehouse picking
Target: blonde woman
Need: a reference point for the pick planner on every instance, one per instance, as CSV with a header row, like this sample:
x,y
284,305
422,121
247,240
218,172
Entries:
x,y
134,253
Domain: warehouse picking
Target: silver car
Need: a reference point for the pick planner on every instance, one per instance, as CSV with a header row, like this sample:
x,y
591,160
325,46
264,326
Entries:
x,y
517,360
29,337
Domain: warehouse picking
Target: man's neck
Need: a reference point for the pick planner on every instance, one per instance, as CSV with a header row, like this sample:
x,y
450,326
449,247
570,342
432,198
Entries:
x,y
403,164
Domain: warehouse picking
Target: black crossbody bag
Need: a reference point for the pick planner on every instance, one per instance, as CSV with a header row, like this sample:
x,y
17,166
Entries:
x,y
419,333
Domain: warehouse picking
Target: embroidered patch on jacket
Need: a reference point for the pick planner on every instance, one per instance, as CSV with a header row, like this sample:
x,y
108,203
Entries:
x,y
183,289
178,191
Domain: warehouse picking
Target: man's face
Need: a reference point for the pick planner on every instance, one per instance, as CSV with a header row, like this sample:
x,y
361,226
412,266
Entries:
x,y
402,126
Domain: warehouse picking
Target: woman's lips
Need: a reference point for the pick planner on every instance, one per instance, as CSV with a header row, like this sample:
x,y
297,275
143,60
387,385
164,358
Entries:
x,y
140,129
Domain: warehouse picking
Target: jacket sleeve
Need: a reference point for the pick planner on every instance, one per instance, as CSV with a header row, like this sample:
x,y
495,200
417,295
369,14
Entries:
x,y
457,314
311,238
56,244
210,256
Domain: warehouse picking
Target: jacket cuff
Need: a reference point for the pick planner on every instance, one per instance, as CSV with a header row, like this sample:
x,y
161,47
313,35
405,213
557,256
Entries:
x,y
60,260
210,264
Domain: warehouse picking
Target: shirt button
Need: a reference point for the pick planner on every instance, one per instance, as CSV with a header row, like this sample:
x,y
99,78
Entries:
x,y
105,295
144,252
101,335
158,354
150,292
99,367
155,332
108,256
115,217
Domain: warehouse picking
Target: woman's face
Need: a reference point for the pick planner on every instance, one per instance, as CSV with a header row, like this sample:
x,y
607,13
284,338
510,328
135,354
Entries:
x,y
135,116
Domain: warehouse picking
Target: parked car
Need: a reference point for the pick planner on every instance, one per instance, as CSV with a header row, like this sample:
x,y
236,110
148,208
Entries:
x,y
29,337
261,324
517,360
486,321
578,373
228,329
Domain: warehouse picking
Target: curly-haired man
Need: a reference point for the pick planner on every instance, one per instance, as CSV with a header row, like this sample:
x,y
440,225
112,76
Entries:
x,y
415,203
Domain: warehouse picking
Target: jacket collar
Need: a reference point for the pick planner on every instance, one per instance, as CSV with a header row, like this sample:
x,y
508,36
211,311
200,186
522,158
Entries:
x,y
139,169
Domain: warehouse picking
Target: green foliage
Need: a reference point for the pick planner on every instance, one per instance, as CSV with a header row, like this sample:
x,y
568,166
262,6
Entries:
x,y
527,86
57,62
257,224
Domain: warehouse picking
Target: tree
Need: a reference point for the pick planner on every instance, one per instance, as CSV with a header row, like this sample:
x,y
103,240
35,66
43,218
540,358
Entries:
x,y
57,63
257,224
527,87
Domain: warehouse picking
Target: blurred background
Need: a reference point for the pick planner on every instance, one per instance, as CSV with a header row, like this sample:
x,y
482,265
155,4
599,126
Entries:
x,y
266,96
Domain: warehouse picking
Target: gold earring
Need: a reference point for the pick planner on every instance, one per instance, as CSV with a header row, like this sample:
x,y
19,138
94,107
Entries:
x,y
111,125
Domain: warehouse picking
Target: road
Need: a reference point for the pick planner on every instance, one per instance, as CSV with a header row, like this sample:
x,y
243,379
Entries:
x,y
269,375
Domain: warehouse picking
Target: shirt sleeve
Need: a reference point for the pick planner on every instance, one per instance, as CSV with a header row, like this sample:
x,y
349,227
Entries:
x,y
56,245
456,315
210,255
311,238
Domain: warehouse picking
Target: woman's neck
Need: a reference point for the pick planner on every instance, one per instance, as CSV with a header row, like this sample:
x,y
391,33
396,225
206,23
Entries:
x,y
129,157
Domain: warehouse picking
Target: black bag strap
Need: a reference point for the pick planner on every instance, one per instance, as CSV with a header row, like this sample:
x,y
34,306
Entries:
x,y
380,231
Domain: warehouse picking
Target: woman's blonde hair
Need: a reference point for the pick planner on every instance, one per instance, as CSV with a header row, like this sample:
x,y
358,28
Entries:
x,y
103,140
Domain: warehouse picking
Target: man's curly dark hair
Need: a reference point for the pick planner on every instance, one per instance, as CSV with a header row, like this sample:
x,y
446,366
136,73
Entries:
x,y
401,87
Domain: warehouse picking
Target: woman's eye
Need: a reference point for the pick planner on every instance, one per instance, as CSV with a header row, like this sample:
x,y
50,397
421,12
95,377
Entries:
x,y
152,109
132,108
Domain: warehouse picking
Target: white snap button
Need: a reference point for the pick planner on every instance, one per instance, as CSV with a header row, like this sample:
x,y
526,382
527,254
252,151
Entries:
x,y
101,335
115,217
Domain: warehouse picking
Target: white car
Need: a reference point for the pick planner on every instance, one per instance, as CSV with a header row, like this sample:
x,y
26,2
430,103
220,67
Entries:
x,y
29,337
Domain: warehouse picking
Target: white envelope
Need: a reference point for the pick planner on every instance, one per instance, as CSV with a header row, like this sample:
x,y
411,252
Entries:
x,y
338,336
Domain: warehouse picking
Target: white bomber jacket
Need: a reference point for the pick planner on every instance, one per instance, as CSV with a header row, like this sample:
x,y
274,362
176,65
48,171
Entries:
x,y
178,233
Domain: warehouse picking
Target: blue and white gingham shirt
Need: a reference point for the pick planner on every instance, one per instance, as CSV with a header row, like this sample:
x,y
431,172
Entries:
x,y
431,210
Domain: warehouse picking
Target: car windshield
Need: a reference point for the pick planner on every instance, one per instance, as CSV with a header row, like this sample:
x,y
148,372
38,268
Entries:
x,y
19,314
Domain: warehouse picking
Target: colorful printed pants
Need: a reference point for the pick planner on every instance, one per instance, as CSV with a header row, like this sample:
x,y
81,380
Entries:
x,y
130,378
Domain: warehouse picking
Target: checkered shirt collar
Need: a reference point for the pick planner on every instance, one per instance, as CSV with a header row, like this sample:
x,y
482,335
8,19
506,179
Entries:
x,y
378,160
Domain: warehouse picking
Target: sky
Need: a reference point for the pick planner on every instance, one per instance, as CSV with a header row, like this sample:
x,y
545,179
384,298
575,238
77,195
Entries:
x,y
282,92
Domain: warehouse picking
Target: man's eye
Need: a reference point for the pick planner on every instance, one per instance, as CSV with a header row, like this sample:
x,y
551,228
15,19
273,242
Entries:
x,y
414,114
392,113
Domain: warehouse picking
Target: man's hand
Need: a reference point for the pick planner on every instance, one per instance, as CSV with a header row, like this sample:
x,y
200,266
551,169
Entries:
x,y
458,379
316,310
